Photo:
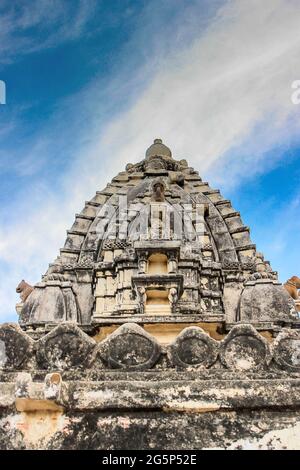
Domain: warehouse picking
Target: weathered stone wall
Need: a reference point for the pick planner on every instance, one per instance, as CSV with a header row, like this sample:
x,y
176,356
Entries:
x,y
65,390
147,429
142,335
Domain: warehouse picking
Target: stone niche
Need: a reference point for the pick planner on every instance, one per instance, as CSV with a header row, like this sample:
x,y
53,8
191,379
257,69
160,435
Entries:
x,y
157,302
158,283
157,264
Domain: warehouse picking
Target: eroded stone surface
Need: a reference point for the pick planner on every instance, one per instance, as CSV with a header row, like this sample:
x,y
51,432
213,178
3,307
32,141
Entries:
x,y
64,347
16,347
243,348
53,301
266,300
193,347
129,347
127,270
148,430
52,386
286,350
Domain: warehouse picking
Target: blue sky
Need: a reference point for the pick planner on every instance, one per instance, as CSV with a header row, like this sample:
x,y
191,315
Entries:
x,y
91,83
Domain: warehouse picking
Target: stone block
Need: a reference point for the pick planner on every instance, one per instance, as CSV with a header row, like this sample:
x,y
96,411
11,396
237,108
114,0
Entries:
x,y
16,347
244,349
286,350
66,346
193,347
129,347
266,300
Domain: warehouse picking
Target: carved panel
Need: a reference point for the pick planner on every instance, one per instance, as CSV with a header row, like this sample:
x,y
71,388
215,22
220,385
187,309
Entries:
x,y
64,347
129,347
244,349
286,350
16,347
193,347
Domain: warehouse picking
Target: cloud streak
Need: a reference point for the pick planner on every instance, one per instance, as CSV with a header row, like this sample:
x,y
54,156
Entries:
x,y
55,21
213,97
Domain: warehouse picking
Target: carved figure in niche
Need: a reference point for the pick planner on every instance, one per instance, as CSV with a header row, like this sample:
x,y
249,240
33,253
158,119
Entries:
x,y
172,264
24,289
292,285
142,263
142,297
158,192
173,296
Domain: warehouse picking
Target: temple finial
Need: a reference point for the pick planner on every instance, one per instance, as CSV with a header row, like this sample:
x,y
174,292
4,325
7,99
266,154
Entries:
x,y
158,149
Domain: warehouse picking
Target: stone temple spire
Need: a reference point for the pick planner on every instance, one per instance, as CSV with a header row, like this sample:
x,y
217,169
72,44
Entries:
x,y
158,149
158,318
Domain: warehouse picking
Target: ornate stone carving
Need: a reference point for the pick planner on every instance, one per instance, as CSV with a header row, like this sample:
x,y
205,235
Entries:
x,y
247,263
292,285
132,389
230,265
286,350
190,250
145,210
173,297
24,289
86,260
52,301
193,347
127,255
142,296
16,347
129,347
142,262
52,386
261,269
244,349
66,346
158,189
115,244
156,164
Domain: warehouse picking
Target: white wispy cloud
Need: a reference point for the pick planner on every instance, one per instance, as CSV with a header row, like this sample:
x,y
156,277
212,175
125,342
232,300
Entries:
x,y
52,21
220,99
213,96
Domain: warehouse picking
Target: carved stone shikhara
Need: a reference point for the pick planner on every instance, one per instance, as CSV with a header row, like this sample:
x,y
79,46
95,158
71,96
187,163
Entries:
x,y
159,325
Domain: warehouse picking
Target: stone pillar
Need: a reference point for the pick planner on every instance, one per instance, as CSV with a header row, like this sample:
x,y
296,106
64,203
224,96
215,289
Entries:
x,y
172,264
100,292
